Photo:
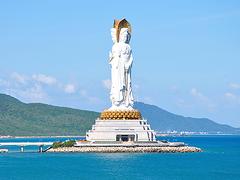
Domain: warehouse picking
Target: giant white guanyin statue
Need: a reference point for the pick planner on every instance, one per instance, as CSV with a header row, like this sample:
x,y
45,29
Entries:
x,y
121,59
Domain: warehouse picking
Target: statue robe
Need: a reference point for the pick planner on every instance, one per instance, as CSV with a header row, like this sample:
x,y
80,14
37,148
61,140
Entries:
x,y
121,62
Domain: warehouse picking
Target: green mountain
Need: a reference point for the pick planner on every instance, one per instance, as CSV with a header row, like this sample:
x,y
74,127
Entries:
x,y
33,119
17,118
162,120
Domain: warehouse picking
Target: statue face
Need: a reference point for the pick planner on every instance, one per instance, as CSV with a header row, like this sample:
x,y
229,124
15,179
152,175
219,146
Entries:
x,y
113,34
124,36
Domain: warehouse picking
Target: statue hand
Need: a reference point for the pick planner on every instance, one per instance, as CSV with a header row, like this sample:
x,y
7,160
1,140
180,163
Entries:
x,y
110,56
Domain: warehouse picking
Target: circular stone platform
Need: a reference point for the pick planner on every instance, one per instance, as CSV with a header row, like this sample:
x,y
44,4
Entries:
x,y
183,149
120,114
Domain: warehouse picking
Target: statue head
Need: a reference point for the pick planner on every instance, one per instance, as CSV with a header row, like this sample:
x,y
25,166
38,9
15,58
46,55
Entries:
x,y
121,26
124,35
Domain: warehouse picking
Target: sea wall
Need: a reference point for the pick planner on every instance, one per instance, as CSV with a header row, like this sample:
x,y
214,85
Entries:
x,y
183,149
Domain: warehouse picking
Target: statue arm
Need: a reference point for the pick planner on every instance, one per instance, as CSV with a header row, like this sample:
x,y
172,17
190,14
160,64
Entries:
x,y
110,57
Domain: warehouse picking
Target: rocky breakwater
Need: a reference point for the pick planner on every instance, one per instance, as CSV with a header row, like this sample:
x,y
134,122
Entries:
x,y
182,149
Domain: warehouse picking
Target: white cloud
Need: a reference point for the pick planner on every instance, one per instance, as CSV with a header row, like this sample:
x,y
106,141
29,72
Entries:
x,y
23,87
202,99
234,85
232,97
20,78
34,93
49,80
33,88
194,92
107,83
70,88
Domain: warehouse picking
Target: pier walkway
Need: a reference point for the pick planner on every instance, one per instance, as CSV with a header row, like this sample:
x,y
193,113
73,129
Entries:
x,y
23,144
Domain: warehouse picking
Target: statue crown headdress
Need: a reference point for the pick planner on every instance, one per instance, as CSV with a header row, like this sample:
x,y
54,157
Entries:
x,y
119,24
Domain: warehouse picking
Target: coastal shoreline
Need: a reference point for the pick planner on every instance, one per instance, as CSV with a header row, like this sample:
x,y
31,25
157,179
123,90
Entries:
x,y
153,149
19,137
83,136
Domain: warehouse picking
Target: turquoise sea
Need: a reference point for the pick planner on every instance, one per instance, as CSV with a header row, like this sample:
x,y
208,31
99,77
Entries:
x,y
219,161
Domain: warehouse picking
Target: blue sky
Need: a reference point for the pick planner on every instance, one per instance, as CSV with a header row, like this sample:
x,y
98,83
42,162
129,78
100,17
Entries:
x,y
186,54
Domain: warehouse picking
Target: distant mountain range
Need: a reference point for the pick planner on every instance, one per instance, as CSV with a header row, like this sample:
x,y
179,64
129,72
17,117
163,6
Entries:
x,y
162,120
35,119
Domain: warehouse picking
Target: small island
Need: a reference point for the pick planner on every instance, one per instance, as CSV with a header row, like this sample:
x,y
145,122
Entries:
x,y
121,128
123,147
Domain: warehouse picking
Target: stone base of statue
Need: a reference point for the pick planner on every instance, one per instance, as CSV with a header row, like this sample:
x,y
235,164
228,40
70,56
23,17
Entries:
x,y
121,126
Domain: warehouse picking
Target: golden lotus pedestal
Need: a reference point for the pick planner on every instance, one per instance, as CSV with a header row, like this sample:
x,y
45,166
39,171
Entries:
x,y
120,115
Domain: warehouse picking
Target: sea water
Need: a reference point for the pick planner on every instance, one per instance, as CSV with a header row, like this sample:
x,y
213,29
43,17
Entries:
x,y
219,160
